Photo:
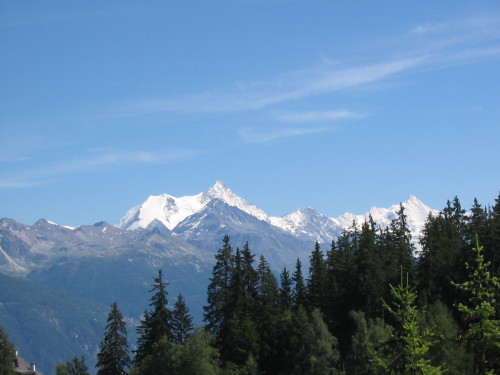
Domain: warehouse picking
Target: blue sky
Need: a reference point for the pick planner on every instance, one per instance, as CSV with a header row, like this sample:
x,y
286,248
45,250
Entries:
x,y
336,105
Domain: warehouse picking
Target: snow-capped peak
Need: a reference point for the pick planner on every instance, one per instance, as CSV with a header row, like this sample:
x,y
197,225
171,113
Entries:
x,y
222,192
170,210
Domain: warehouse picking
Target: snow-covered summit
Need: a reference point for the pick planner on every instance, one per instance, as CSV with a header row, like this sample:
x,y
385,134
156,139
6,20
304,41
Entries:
x,y
170,210
305,223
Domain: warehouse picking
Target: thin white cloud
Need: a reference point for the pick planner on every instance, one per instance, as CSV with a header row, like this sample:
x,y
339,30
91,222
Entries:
x,y
49,173
427,28
439,45
314,116
287,87
259,135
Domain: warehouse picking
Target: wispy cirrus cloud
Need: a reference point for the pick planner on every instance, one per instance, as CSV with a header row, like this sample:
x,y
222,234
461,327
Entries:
x,y
94,161
438,45
315,116
264,135
286,87
429,27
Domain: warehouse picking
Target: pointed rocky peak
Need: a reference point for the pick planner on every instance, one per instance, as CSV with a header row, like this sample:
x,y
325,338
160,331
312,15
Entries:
x,y
220,188
222,192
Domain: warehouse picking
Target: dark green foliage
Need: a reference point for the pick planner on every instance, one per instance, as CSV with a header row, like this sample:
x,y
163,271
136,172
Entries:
x,y
161,358
217,312
369,342
7,354
313,348
371,280
399,247
267,318
410,343
198,356
493,245
76,366
316,292
299,293
156,323
285,290
182,322
113,357
448,351
483,326
444,253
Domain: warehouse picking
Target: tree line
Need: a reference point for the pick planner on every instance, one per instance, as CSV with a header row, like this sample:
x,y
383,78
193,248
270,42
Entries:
x,y
367,305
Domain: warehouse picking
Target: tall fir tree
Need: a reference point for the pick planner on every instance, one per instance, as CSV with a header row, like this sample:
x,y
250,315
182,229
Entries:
x,y
444,253
411,343
494,220
182,321
371,280
218,291
156,323
483,326
268,319
249,276
299,292
331,287
285,290
400,239
316,283
113,357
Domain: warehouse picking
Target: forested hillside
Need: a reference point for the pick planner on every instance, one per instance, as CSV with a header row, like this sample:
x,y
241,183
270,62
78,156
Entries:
x,y
364,305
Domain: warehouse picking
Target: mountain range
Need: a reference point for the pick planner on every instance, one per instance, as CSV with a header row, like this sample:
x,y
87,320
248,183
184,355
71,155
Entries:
x,y
305,223
51,271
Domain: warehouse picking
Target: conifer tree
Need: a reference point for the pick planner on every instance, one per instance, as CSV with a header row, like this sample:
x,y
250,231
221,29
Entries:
x,y
299,293
76,366
332,288
182,322
249,276
7,354
483,328
198,357
285,290
314,349
447,351
411,343
370,278
369,341
400,240
316,283
268,317
113,357
156,323
494,221
218,292
478,224
444,253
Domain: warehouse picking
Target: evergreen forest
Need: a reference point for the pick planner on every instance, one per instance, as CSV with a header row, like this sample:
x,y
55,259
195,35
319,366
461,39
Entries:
x,y
367,303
